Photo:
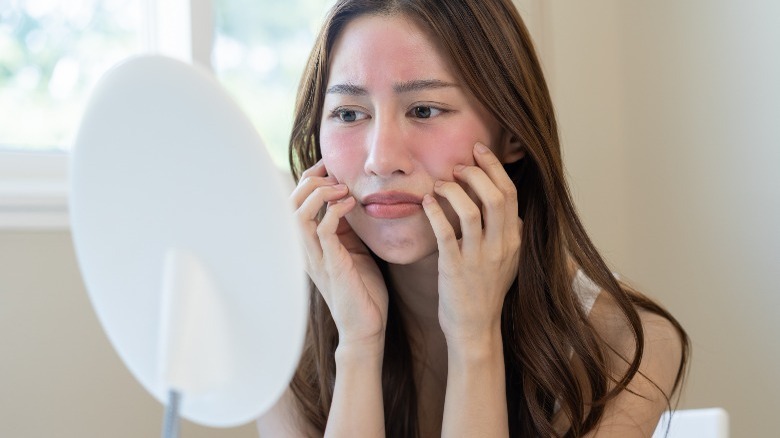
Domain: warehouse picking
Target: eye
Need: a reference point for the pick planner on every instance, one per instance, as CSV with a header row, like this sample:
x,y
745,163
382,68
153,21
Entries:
x,y
425,112
348,115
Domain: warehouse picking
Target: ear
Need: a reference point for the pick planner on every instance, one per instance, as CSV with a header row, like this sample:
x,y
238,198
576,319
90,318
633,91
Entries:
x,y
513,149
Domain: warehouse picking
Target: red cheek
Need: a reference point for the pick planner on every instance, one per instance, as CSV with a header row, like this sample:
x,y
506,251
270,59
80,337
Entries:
x,y
342,153
444,149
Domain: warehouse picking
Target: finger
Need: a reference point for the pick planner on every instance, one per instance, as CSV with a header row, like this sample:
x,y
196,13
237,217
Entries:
x,y
442,229
491,198
332,249
317,199
318,169
306,217
307,185
312,178
469,215
491,165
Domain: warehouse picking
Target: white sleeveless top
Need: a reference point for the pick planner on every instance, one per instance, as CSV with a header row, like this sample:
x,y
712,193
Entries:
x,y
587,291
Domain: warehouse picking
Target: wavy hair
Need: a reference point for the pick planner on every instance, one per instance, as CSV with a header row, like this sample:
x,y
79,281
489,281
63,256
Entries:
x,y
542,322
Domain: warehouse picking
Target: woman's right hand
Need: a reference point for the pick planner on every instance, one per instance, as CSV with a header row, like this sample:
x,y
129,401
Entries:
x,y
337,260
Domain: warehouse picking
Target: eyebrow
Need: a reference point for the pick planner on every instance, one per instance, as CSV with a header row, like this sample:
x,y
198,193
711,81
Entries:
x,y
403,87
421,84
350,89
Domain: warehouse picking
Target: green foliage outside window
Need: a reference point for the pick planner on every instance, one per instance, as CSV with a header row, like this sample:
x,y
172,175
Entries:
x,y
51,53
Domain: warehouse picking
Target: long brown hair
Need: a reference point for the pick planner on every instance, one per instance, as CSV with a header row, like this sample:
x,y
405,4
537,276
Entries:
x,y
542,320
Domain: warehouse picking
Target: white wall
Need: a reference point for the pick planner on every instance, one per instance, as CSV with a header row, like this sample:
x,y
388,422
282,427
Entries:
x,y
670,113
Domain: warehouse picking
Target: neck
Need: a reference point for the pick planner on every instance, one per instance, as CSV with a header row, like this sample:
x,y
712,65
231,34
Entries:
x,y
416,287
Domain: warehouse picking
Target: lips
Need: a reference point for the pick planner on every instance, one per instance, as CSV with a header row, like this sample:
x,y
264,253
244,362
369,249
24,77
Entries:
x,y
392,205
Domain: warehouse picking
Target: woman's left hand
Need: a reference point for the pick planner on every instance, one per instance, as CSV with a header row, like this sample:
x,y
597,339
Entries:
x,y
475,271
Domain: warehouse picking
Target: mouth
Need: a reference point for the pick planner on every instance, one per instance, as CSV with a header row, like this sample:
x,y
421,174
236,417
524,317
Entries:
x,y
391,205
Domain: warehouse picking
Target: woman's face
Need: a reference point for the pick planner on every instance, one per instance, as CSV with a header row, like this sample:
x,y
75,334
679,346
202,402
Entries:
x,y
395,120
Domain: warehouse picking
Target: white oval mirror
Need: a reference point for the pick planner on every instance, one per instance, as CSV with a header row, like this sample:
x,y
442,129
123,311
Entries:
x,y
185,240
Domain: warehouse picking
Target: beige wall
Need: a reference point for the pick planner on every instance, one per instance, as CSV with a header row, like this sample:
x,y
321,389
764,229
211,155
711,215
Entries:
x,y
670,115
59,376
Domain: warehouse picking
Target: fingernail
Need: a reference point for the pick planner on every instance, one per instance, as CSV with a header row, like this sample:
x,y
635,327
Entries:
x,y
428,199
438,183
481,148
459,167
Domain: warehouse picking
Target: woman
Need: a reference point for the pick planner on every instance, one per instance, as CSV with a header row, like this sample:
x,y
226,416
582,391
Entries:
x,y
455,291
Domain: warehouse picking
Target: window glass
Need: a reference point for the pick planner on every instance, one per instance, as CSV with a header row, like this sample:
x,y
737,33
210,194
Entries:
x,y
260,50
51,53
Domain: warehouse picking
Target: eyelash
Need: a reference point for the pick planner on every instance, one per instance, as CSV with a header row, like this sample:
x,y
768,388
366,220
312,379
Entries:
x,y
433,109
338,113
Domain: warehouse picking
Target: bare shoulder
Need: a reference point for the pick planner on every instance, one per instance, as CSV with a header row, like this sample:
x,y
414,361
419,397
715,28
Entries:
x,y
636,410
662,343
284,420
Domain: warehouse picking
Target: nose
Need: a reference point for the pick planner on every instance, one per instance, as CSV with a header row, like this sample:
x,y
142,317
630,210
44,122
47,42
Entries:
x,y
388,151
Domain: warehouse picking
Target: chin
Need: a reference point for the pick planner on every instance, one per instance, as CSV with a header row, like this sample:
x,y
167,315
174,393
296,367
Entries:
x,y
401,242
401,251
400,257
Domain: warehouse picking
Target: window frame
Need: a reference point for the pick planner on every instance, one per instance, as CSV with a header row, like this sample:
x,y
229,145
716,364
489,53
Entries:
x,y
33,190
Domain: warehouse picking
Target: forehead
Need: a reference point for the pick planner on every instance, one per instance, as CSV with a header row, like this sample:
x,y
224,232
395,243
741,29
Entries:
x,y
375,48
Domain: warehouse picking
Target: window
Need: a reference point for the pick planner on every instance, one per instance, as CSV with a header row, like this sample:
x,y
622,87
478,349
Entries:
x,y
53,52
